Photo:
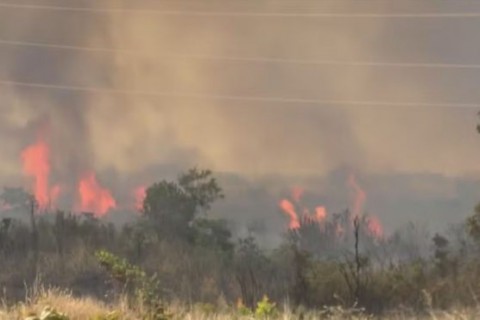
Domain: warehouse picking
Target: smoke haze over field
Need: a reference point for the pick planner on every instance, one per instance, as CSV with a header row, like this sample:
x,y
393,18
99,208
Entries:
x,y
415,162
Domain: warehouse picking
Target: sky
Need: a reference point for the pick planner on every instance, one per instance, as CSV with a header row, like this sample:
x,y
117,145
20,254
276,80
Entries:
x,y
416,162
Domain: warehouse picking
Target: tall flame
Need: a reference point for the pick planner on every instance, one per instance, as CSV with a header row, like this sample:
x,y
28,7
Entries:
x,y
93,197
289,209
36,164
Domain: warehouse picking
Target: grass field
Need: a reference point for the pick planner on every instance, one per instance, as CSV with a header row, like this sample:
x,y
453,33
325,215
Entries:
x,y
73,308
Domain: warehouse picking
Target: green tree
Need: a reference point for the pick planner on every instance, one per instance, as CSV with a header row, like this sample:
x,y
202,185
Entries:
x,y
173,206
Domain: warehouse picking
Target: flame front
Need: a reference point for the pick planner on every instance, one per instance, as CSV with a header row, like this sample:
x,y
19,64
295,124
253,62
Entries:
x,y
289,209
36,164
94,198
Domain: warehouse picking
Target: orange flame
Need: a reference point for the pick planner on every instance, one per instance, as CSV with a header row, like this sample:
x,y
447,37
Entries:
x,y
36,164
140,195
375,227
94,198
359,196
320,214
289,210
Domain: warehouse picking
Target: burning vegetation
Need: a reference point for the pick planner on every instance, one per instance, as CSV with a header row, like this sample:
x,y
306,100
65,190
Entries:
x,y
330,232
324,258
36,165
90,195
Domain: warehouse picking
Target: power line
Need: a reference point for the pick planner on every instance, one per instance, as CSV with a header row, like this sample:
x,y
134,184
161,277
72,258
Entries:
x,y
243,59
113,91
240,14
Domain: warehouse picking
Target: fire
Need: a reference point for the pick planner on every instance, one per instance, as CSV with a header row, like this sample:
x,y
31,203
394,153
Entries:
x,y
359,196
140,195
320,214
300,214
94,198
375,227
36,164
289,209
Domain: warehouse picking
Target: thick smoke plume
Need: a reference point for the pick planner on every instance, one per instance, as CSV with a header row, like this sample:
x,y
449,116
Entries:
x,y
129,140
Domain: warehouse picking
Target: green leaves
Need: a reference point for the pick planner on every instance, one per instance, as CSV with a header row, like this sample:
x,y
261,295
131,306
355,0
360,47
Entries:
x,y
119,268
172,206
145,288
201,187
265,308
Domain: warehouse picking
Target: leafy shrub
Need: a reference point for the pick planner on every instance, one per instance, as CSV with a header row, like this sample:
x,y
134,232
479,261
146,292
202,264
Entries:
x,y
145,288
265,308
118,268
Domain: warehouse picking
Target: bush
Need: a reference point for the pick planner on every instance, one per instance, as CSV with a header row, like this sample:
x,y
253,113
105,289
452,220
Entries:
x,y
265,308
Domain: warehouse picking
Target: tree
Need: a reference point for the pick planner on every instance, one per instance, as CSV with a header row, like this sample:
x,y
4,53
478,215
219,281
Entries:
x,y
173,206
214,234
201,187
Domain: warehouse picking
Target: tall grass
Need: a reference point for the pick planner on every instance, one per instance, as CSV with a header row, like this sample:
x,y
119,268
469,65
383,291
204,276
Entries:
x,y
85,308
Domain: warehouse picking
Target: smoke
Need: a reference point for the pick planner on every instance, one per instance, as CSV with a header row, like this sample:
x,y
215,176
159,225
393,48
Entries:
x,y
132,140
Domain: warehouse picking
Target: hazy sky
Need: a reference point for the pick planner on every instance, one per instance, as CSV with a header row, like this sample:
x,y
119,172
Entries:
x,y
415,162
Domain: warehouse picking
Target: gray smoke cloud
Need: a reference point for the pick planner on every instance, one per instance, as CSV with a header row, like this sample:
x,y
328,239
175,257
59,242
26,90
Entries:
x,y
416,153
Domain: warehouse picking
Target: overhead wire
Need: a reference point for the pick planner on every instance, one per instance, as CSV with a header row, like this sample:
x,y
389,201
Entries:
x,y
203,96
253,59
98,90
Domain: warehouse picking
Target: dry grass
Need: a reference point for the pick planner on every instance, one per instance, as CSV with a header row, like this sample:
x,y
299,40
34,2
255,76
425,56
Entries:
x,y
90,309
75,308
